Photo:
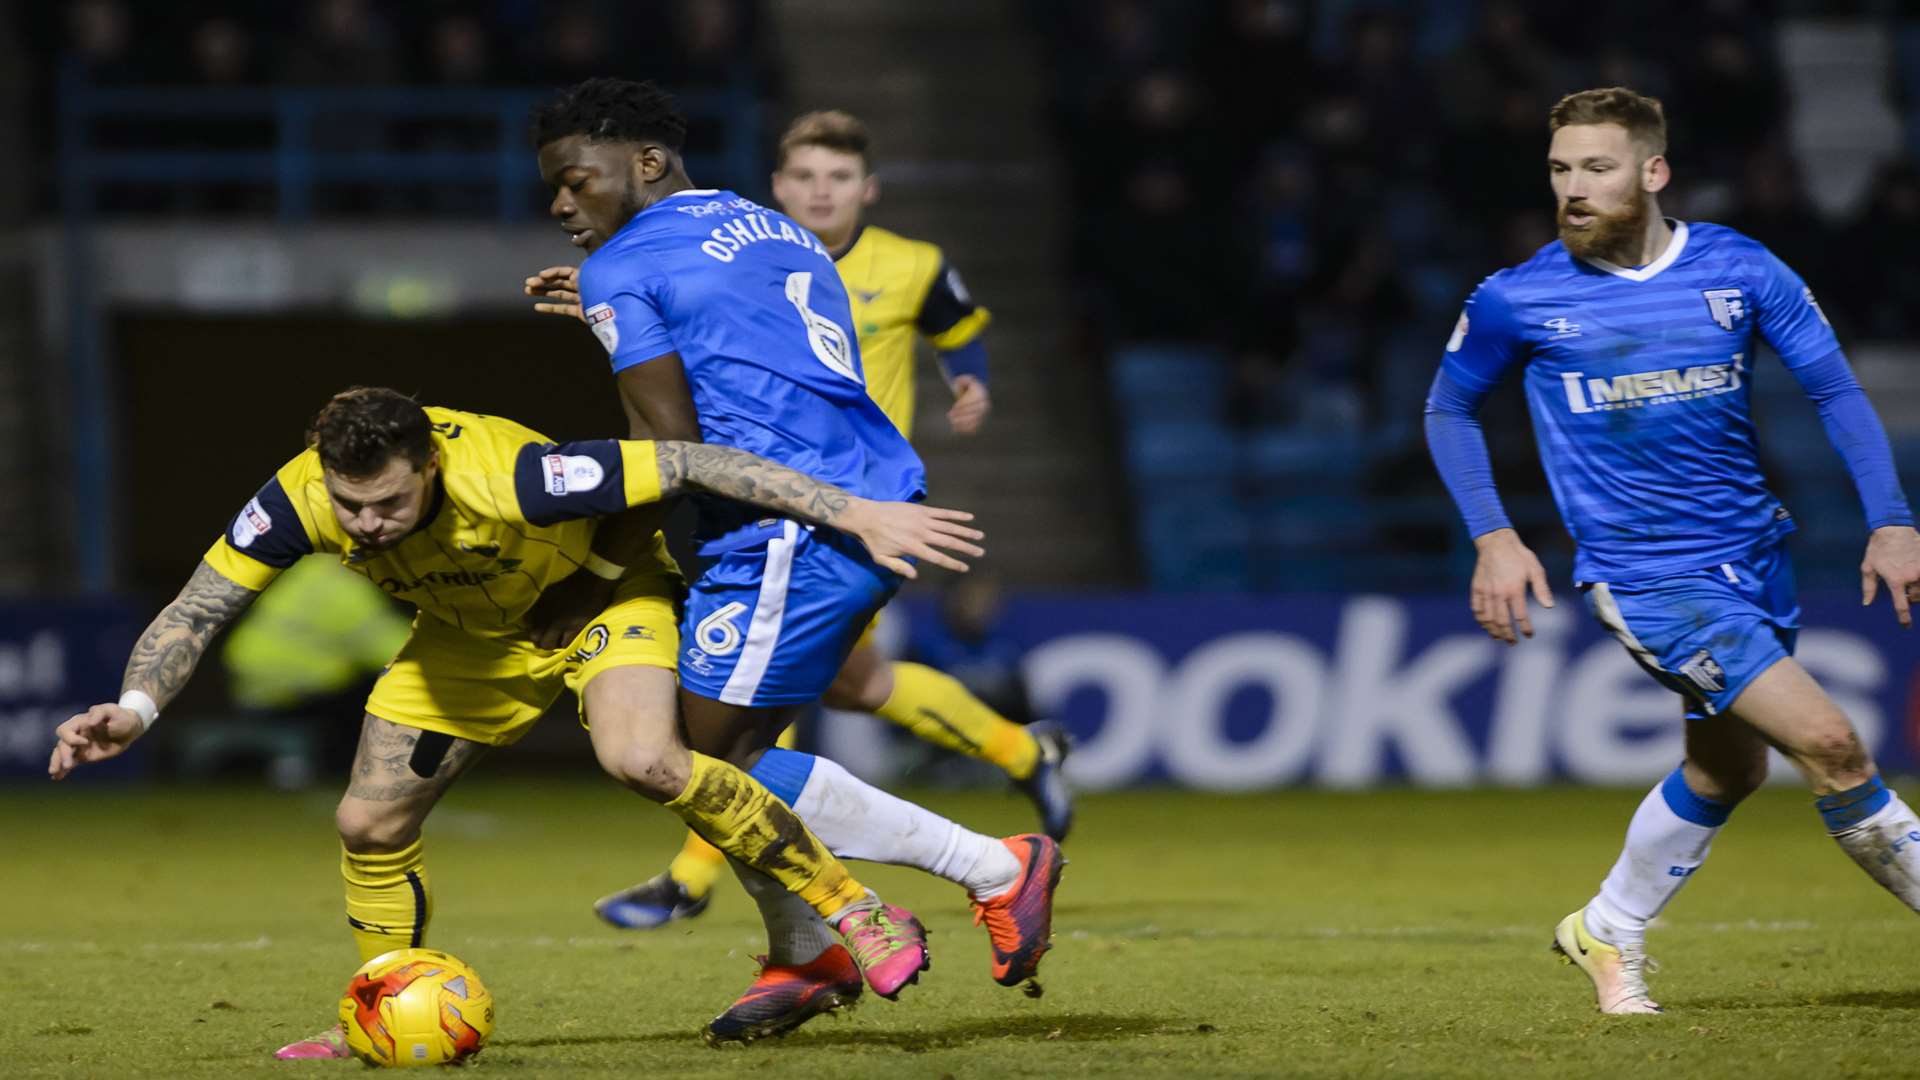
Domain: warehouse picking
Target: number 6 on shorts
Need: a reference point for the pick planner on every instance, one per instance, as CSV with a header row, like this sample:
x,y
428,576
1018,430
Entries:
x,y
717,635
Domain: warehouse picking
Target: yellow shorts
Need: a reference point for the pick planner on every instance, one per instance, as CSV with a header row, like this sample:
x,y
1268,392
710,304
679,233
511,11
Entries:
x,y
867,635
491,690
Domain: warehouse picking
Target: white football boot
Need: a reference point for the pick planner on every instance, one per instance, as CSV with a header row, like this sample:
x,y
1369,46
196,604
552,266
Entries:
x,y
1619,975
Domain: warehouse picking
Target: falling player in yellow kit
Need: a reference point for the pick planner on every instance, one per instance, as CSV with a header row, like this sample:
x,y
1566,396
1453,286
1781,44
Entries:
x,y
471,518
901,290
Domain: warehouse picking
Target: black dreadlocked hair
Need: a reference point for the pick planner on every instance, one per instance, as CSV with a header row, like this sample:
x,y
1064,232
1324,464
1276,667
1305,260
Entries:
x,y
611,110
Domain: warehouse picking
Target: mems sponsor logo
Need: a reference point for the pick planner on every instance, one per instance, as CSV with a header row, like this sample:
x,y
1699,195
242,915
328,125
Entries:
x,y
1640,389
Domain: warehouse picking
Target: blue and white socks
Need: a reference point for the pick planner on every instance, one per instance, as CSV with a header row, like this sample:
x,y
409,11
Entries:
x,y
1878,831
859,821
1667,840
1673,829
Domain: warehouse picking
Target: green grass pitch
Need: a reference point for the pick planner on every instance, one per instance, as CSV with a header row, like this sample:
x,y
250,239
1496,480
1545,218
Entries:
x,y
187,933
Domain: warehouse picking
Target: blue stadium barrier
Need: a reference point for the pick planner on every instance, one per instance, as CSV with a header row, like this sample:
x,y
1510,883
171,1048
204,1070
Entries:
x,y
1379,686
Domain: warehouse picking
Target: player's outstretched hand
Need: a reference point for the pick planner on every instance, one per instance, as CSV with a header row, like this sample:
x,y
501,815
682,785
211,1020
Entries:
x,y
1893,556
1505,571
895,532
566,607
95,735
556,291
971,404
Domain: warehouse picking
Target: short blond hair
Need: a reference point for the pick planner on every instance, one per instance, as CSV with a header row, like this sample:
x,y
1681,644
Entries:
x,y
1644,117
830,128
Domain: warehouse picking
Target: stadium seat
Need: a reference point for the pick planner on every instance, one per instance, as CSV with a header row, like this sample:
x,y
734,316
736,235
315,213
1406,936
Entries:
x,y
1196,543
1287,461
1183,452
1171,382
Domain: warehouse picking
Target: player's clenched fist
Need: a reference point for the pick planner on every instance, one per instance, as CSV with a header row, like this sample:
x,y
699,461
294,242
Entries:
x,y
1505,571
95,735
971,403
555,290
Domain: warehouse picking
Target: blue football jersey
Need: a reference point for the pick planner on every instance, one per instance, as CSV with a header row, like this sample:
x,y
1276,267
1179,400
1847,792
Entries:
x,y
754,306
1639,382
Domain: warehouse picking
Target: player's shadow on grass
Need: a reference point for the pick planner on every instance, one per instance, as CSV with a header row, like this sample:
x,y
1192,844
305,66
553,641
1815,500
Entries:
x,y
1059,1027
1859,999
1077,1027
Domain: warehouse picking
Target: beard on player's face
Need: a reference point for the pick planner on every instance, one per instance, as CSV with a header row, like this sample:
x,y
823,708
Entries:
x,y
1613,236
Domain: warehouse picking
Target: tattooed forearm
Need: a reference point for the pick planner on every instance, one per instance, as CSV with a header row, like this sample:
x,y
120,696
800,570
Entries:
x,y
165,656
737,474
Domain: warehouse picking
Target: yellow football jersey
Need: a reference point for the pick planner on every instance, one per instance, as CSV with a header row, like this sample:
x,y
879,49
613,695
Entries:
x,y
900,288
513,513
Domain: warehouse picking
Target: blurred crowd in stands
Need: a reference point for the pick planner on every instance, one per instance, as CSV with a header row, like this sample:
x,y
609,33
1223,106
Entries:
x,y
684,43
443,46
1305,193
1276,206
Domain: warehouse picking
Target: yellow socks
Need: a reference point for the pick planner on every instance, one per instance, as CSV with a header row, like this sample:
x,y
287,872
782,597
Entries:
x,y
699,863
737,814
388,903
697,866
934,706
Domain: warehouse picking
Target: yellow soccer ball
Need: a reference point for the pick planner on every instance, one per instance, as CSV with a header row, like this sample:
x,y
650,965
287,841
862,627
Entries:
x,y
415,1007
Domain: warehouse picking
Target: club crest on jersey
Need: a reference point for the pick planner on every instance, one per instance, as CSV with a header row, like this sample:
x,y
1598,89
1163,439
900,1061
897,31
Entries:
x,y
1562,327
1726,306
1703,671
572,473
600,320
251,524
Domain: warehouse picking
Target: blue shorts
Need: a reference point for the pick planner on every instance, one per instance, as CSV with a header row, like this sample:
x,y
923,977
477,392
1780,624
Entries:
x,y
770,624
1705,633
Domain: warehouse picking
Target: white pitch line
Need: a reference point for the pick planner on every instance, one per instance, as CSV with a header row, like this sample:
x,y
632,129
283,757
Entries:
x,y
1748,926
263,942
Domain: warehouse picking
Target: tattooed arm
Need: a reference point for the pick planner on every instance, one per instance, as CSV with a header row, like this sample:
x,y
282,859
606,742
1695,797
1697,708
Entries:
x,y
893,532
162,661
167,653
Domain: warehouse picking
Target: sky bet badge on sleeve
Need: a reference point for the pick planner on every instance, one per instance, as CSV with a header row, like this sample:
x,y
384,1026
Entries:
x,y
600,320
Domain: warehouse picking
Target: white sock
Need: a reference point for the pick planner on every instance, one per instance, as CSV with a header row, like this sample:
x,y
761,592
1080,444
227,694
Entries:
x,y
795,935
1887,847
1667,840
859,821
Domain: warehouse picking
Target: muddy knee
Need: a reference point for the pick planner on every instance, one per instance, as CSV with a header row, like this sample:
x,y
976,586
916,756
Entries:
x,y
660,772
1835,759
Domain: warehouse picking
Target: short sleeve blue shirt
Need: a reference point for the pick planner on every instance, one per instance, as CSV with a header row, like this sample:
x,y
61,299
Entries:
x,y
754,306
